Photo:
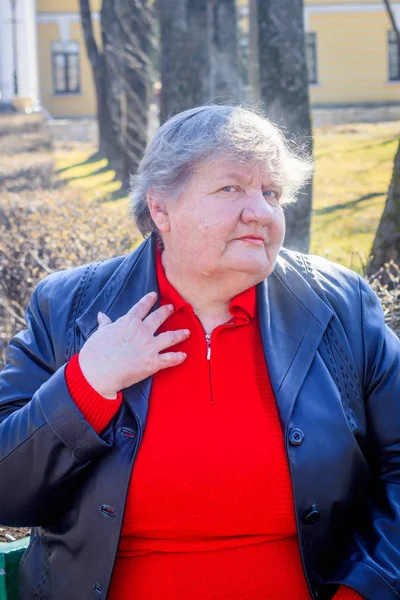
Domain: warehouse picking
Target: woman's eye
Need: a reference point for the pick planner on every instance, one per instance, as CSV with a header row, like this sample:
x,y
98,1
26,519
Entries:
x,y
271,194
228,188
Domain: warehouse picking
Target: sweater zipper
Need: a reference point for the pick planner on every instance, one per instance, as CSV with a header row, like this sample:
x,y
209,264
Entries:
x,y
208,340
208,356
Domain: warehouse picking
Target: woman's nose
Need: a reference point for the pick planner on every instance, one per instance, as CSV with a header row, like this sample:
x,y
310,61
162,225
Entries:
x,y
257,208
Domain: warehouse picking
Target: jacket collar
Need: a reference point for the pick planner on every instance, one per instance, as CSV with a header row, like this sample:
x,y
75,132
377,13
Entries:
x,y
292,320
135,277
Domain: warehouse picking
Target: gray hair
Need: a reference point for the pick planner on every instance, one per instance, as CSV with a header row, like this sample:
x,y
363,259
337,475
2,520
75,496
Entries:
x,y
208,132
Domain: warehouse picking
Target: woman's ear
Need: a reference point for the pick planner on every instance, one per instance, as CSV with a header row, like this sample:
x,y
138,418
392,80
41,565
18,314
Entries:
x,y
158,210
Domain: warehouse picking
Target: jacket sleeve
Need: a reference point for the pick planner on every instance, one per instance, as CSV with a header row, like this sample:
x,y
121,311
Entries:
x,y
372,565
45,442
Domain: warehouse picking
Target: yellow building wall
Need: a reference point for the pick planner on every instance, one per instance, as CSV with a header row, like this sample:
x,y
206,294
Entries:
x,y
64,5
65,105
352,56
352,59
47,32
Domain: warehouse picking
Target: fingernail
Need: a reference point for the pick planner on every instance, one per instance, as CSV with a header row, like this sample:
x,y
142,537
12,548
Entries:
x,y
171,306
153,295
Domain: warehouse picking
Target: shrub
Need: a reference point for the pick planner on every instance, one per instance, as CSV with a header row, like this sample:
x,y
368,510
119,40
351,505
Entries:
x,y
386,283
45,225
49,235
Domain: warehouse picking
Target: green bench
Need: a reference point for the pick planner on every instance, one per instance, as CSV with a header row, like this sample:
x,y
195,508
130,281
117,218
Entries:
x,y
10,556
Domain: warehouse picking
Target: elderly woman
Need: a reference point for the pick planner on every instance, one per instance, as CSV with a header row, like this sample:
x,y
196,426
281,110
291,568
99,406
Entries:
x,y
210,416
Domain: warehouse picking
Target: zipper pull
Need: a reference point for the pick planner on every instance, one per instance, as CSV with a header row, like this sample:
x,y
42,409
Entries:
x,y
208,340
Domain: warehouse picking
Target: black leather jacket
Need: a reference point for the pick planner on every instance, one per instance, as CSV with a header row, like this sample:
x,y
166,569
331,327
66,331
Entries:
x,y
335,371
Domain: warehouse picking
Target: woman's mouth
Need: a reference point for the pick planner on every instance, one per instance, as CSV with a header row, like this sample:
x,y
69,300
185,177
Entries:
x,y
253,241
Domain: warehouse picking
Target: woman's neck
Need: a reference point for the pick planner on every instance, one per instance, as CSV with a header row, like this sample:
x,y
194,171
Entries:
x,y
210,303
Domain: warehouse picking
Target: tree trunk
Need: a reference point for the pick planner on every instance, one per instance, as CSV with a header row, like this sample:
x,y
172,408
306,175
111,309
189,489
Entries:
x,y
136,26
199,61
110,33
224,84
386,246
96,59
185,69
254,60
121,75
284,92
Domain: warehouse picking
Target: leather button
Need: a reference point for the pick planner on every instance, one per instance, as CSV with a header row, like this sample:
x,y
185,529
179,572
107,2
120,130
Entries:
x,y
128,432
296,436
312,515
109,511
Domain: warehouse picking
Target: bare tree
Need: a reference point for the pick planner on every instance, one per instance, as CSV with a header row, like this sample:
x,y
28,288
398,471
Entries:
x,y
97,61
386,246
224,63
199,60
390,13
283,82
121,73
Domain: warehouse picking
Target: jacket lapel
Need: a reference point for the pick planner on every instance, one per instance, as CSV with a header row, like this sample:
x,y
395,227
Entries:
x,y
292,320
135,277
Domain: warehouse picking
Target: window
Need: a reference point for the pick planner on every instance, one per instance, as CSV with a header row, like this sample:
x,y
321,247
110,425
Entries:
x,y
65,64
311,56
394,56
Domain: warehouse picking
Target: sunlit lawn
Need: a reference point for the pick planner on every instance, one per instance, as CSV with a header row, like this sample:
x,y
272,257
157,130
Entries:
x,y
353,171
85,170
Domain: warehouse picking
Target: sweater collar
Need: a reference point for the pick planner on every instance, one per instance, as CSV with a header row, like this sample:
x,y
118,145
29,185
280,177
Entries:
x,y
242,306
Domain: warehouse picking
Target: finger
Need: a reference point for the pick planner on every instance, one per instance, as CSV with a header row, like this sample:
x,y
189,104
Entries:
x,y
103,319
170,338
141,308
171,359
157,318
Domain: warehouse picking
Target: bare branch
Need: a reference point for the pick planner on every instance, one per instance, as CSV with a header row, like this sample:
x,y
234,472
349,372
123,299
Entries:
x,y
11,311
40,262
390,13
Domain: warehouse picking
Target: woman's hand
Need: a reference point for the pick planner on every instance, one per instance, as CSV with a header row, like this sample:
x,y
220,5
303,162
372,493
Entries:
x,y
122,353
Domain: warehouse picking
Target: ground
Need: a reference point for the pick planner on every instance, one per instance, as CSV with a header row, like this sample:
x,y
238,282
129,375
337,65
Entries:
x,y
353,171
16,533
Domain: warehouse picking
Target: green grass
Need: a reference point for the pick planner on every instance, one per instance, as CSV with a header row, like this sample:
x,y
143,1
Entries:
x,y
82,167
353,171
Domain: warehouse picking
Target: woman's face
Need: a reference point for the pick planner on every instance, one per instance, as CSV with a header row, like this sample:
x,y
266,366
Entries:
x,y
224,202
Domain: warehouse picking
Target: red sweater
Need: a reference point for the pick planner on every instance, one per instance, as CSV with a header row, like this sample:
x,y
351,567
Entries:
x,y
209,512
